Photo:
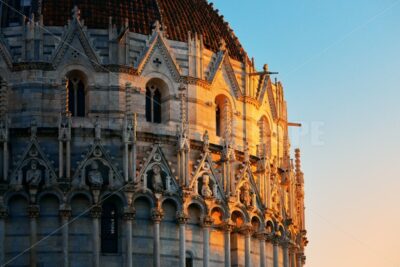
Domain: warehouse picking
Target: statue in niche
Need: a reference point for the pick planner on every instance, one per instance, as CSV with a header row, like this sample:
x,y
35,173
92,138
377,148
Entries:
x,y
245,195
205,189
33,175
94,175
157,179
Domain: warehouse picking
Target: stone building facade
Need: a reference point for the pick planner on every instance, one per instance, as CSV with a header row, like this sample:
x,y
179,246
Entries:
x,y
139,133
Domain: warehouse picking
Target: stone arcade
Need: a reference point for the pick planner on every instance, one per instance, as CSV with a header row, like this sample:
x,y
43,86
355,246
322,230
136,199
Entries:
x,y
139,133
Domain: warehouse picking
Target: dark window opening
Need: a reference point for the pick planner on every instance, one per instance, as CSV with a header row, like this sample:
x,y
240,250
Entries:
x,y
76,97
189,260
109,228
218,121
153,105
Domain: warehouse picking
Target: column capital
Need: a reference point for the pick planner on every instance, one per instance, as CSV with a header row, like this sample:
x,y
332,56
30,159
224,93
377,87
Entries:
x,y
262,235
33,211
129,213
207,221
181,217
247,229
157,215
95,212
65,213
228,226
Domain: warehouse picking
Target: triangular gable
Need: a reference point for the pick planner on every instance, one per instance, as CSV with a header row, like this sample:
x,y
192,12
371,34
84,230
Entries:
x,y
206,166
97,169
158,46
246,176
5,52
223,63
75,30
265,88
157,160
34,169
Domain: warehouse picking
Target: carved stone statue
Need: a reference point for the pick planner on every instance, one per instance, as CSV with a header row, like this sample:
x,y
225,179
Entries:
x,y
245,196
157,179
94,175
33,175
205,189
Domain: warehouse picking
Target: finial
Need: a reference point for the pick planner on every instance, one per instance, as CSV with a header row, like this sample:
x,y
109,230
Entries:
x,y
157,26
76,13
265,67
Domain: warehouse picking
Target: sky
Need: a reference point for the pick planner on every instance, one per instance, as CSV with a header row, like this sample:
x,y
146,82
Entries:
x,y
339,62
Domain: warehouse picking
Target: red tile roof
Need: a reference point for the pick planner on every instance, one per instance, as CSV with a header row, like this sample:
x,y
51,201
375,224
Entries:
x,y
178,16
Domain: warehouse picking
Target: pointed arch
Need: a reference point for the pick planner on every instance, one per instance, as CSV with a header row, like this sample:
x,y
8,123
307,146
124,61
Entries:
x,y
157,101
76,95
223,116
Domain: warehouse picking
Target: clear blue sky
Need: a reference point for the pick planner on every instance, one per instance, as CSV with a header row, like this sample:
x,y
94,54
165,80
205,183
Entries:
x,y
340,64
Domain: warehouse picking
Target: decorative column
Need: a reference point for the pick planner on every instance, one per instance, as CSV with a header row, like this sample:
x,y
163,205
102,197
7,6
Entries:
x,y
65,215
182,220
129,216
247,231
275,242
292,256
129,139
157,216
300,259
3,217
33,212
207,223
228,227
64,138
262,238
183,139
95,213
285,245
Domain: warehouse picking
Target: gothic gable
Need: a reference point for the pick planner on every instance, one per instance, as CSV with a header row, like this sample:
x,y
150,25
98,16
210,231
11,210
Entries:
x,y
156,174
34,170
222,73
97,170
206,181
157,56
76,41
246,189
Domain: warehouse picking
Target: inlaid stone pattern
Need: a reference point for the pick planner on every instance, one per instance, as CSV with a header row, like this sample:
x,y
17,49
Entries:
x,y
138,133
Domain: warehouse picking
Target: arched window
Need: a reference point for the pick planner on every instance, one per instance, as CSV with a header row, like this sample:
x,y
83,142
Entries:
x,y
109,228
11,13
223,117
76,96
189,259
153,104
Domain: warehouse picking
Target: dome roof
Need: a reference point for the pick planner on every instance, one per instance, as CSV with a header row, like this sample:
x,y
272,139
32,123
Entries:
x,y
177,16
